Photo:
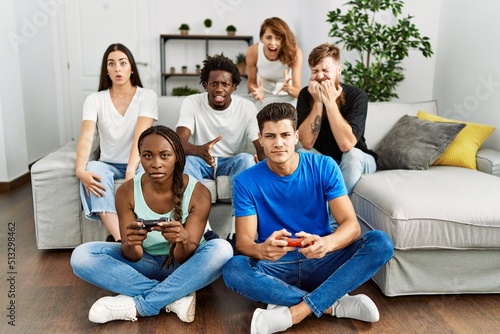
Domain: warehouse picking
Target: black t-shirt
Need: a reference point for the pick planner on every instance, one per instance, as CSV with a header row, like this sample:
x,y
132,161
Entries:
x,y
354,112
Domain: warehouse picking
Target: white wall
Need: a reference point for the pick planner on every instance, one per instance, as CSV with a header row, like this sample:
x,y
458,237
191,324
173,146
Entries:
x,y
467,77
462,34
13,146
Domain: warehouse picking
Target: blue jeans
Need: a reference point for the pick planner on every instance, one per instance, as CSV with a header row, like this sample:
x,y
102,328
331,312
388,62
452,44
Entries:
x,y
354,164
152,285
318,282
232,166
108,172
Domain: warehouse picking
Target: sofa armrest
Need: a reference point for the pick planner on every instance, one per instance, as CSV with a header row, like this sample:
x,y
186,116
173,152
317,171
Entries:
x,y
56,199
488,161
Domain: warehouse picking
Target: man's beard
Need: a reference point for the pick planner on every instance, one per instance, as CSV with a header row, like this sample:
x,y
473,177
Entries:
x,y
341,98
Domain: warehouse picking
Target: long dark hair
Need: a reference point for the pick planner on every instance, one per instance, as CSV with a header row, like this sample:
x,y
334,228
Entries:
x,y
176,144
104,80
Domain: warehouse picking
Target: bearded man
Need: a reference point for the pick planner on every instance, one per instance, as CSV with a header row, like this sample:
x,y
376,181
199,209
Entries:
x,y
332,116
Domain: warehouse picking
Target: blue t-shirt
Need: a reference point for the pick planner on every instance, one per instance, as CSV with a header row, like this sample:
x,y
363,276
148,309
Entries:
x,y
296,202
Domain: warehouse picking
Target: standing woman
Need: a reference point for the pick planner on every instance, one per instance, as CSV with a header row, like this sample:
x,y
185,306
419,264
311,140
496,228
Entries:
x,y
274,64
121,110
164,267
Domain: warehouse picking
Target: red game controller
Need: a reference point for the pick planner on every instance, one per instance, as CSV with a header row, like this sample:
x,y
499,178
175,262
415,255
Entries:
x,y
294,242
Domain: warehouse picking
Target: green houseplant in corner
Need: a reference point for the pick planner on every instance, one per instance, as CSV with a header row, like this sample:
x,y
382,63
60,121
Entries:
x,y
381,47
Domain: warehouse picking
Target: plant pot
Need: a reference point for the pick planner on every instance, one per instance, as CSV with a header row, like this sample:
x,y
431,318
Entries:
x,y
184,70
184,32
172,70
207,31
231,33
242,68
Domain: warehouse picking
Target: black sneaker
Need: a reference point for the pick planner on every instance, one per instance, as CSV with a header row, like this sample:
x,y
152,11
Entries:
x,y
110,238
232,241
209,235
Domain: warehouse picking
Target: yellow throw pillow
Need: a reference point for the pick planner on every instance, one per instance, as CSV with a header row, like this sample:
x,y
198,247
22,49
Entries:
x,y
462,151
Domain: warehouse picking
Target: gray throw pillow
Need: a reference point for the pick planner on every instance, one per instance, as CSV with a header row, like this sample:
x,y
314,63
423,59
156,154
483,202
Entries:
x,y
414,143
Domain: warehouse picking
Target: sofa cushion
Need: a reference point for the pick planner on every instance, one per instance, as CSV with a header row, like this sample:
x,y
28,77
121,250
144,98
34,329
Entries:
x,y
462,151
382,116
414,143
442,207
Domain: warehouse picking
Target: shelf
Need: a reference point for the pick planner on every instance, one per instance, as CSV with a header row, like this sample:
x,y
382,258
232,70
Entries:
x,y
168,75
164,38
248,39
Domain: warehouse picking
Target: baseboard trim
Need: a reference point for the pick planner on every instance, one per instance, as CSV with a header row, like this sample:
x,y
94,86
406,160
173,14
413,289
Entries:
x,y
6,187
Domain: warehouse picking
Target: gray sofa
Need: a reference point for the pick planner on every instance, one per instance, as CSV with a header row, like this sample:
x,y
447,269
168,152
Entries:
x,y
445,221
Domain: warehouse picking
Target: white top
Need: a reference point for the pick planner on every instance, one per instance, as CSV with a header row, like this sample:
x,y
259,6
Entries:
x,y
272,73
116,132
236,123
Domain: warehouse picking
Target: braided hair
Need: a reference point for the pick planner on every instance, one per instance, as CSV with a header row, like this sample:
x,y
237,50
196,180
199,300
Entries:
x,y
176,144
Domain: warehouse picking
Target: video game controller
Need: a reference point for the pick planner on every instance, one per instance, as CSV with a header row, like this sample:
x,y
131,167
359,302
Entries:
x,y
294,242
148,224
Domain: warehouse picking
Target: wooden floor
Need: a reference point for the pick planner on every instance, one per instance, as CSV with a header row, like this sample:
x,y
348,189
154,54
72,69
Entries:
x,y
50,299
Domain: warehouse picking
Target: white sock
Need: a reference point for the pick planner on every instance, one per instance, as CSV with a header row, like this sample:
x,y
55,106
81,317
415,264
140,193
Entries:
x,y
275,320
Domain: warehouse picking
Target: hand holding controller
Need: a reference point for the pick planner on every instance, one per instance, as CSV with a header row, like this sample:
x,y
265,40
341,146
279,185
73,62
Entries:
x,y
148,224
294,242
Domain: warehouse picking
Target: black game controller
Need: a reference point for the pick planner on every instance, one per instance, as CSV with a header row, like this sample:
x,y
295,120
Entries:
x,y
147,224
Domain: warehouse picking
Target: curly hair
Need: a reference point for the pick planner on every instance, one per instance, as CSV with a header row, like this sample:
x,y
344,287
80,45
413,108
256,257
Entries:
x,y
180,155
288,51
219,63
104,80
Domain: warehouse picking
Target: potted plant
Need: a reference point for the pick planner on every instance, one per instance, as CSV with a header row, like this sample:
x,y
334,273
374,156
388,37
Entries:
x,y
208,24
184,29
381,47
231,30
184,91
241,62
198,68
184,69
172,70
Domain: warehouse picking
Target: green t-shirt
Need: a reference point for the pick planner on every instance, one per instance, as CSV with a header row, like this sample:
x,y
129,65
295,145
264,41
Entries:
x,y
155,243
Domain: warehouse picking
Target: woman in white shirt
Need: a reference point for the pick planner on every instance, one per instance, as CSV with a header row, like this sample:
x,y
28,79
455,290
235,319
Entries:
x,y
274,64
121,110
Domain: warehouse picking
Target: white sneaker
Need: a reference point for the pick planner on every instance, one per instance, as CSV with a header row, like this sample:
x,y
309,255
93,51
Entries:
x,y
273,320
106,309
184,307
359,307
